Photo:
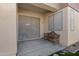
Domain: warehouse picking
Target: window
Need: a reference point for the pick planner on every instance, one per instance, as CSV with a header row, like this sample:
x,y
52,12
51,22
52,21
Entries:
x,y
50,23
56,22
72,20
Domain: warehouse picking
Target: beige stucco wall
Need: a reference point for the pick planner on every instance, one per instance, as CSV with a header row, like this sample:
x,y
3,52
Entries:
x,y
8,34
67,37
34,14
64,34
73,36
8,45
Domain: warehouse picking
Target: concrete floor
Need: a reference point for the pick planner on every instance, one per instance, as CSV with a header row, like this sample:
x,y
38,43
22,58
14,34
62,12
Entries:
x,y
37,47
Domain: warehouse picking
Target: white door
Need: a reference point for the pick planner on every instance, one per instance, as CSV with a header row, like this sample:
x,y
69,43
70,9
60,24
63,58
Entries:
x,y
29,27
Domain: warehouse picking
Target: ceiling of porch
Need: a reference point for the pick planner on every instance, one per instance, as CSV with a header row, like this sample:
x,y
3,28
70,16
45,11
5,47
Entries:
x,y
42,7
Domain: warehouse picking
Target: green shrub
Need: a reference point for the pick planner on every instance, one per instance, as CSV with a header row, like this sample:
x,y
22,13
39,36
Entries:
x,y
60,53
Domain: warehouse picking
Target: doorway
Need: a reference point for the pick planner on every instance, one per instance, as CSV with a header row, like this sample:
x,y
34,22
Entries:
x,y
29,28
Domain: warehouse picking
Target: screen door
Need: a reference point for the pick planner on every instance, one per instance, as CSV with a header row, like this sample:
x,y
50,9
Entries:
x,y
29,27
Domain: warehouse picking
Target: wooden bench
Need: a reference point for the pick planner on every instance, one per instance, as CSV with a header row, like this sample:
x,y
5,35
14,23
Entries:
x,y
52,37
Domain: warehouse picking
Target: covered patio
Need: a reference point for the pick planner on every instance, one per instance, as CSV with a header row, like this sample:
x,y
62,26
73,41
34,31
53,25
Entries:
x,y
33,23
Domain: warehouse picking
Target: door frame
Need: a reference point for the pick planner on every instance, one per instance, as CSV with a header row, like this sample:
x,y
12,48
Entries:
x,y
39,27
